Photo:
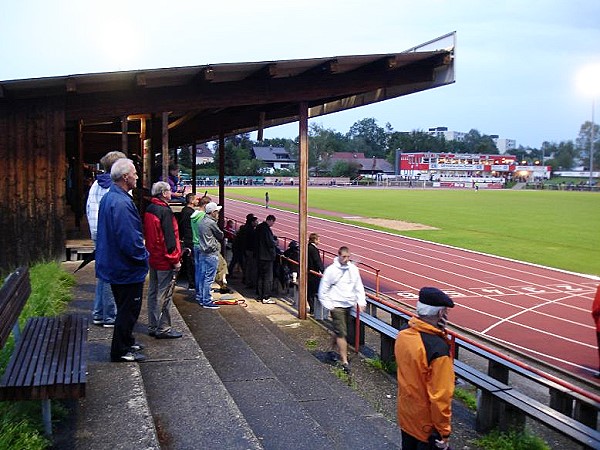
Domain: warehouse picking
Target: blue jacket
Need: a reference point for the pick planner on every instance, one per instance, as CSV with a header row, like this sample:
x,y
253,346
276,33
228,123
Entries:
x,y
121,257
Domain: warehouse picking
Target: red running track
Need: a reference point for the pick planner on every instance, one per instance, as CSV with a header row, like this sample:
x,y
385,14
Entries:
x,y
540,311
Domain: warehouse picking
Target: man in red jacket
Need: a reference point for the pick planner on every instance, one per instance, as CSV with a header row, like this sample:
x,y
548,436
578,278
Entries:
x,y
162,241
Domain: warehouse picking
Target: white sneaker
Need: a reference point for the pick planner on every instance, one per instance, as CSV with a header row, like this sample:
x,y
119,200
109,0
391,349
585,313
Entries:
x,y
268,301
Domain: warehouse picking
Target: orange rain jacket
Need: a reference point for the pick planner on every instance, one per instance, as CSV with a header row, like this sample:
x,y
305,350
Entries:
x,y
425,380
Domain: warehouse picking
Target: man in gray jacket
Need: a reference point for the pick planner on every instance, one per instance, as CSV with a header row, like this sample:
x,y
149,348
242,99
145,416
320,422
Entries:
x,y
209,246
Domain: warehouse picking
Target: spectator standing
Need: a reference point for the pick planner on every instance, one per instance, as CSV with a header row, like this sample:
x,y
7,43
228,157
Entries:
x,y
315,264
596,316
238,246
425,374
265,254
341,289
250,263
267,200
104,310
122,258
209,247
162,241
195,220
187,237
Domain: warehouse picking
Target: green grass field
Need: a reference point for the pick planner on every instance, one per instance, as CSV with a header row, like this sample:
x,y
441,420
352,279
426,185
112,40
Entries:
x,y
552,228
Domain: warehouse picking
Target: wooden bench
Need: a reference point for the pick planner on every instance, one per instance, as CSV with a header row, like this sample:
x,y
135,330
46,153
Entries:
x,y
49,359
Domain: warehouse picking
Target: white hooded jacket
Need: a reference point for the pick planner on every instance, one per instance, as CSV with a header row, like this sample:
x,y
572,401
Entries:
x,y
341,286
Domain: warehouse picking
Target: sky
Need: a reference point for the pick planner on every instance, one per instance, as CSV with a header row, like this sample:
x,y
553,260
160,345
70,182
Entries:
x,y
516,63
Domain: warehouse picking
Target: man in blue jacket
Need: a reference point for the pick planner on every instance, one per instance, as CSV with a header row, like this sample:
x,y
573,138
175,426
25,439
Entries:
x,y
122,258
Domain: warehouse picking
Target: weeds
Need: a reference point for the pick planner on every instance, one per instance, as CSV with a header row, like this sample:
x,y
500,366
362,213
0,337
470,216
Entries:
x,y
511,440
467,397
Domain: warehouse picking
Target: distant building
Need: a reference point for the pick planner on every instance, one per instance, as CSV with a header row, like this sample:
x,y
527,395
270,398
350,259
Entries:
x,y
502,144
203,154
275,158
367,166
447,134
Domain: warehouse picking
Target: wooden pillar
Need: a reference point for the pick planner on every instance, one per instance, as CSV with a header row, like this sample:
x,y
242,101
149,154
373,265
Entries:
x,y
303,208
193,150
222,180
146,155
124,135
165,145
78,169
261,126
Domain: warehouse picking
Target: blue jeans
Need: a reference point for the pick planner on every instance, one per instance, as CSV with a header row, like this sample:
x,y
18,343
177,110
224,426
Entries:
x,y
208,264
104,308
197,270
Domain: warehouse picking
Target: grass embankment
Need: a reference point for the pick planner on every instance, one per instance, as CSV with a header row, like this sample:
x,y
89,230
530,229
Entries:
x,y
20,422
553,228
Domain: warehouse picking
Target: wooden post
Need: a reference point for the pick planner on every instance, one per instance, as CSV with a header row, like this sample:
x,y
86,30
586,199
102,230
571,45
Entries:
x,y
193,150
222,181
303,209
124,134
165,146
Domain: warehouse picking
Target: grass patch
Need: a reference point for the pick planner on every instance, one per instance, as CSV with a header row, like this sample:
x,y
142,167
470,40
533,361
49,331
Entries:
x,y
21,424
377,363
311,344
511,440
339,372
553,228
467,397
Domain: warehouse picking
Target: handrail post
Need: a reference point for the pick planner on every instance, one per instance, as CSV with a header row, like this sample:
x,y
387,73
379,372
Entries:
x,y
357,330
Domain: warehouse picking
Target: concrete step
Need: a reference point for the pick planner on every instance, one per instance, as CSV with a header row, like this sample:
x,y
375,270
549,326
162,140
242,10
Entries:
x,y
288,397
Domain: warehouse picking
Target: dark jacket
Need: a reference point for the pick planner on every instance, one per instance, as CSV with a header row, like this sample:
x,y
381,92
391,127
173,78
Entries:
x,y
162,235
315,263
265,247
121,257
185,226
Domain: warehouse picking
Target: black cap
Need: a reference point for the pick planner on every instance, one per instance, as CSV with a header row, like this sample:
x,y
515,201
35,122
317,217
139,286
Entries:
x,y
434,297
249,217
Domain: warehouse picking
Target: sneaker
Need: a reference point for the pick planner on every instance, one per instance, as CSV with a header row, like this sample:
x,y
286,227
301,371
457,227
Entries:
x,y
268,301
136,347
98,322
345,368
211,306
171,334
152,333
108,325
130,357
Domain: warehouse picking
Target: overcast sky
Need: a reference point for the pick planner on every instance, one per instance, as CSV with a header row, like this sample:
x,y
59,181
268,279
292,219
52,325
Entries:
x,y
516,61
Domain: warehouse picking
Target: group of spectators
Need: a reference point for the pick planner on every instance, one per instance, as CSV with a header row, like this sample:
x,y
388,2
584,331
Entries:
x,y
129,247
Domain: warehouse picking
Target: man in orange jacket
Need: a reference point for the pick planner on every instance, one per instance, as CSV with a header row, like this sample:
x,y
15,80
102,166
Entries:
x,y
596,316
425,374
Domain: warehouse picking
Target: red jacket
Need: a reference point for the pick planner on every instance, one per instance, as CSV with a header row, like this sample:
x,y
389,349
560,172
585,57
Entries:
x,y
596,309
162,235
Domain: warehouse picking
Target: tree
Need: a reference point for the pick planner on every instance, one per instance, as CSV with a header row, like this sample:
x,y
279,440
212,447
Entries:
x,y
367,137
322,143
475,142
582,144
560,156
345,169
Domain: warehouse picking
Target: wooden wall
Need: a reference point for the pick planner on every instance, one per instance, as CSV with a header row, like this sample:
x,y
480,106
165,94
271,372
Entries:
x,y
33,170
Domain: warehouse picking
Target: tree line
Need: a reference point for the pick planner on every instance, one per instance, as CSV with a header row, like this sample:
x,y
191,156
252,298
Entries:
x,y
366,136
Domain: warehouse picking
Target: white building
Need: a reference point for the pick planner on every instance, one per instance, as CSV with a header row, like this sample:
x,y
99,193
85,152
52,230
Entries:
x,y
502,144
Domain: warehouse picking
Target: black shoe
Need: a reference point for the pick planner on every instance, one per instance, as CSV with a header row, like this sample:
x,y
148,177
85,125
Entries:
x,y
152,333
345,368
171,334
332,356
225,290
129,357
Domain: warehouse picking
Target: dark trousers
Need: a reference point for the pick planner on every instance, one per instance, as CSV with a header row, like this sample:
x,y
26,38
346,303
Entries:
x,y
409,442
187,262
128,298
265,278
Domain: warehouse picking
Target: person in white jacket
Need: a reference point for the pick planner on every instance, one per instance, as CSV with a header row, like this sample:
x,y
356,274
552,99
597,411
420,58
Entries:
x,y
341,289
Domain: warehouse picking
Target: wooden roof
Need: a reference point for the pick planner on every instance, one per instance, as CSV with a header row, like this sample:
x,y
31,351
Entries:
x,y
204,101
